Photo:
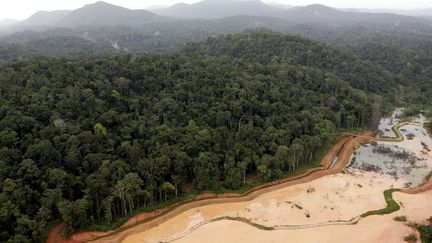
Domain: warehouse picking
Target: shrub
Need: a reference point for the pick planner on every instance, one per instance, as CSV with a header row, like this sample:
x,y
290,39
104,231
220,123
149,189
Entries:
x,y
411,238
392,205
400,218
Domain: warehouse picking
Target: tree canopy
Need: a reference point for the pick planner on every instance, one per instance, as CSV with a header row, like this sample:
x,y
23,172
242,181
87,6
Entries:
x,y
90,140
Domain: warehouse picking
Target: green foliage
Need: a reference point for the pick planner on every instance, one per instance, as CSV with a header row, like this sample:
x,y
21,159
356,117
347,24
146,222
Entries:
x,y
392,205
100,130
203,118
400,218
425,233
262,169
429,176
166,186
74,214
412,238
116,95
211,128
273,48
410,112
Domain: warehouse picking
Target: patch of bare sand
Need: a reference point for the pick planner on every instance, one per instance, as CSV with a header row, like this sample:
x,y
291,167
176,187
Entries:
x,y
331,198
372,229
145,221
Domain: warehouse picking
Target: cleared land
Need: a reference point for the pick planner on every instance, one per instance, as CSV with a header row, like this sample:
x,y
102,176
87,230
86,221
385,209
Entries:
x,y
319,198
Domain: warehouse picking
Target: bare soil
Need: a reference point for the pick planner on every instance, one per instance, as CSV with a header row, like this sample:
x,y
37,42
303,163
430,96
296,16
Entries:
x,y
149,220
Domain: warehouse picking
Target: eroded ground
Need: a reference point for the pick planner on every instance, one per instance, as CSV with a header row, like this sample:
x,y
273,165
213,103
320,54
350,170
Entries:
x,y
331,198
371,229
305,209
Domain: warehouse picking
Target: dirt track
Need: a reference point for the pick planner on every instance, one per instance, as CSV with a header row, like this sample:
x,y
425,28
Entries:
x,y
144,221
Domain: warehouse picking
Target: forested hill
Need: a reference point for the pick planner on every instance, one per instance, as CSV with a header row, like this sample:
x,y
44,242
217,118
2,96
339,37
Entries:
x,y
267,48
57,46
90,140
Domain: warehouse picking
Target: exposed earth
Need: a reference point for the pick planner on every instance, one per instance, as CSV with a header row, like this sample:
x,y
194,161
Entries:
x,y
321,205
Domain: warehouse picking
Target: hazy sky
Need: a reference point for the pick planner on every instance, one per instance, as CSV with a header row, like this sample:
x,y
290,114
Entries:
x,y
21,9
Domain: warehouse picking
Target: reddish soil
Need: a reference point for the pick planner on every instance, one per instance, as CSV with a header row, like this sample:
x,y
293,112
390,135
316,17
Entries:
x,y
423,188
54,237
343,150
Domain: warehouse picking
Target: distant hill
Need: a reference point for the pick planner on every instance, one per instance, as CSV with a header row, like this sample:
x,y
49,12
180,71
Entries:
x,y
104,28
316,13
418,12
321,14
281,5
263,46
54,46
214,9
171,35
411,12
7,22
45,18
104,14
26,36
96,14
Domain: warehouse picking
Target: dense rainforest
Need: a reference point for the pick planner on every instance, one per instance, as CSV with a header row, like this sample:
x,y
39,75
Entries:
x,y
90,140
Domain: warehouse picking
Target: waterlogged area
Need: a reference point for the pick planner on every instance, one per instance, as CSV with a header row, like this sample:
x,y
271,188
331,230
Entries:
x,y
386,124
407,162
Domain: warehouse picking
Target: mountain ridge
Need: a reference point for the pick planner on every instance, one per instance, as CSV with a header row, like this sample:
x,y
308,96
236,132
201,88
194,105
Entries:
x,y
95,14
211,9
100,14
44,18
